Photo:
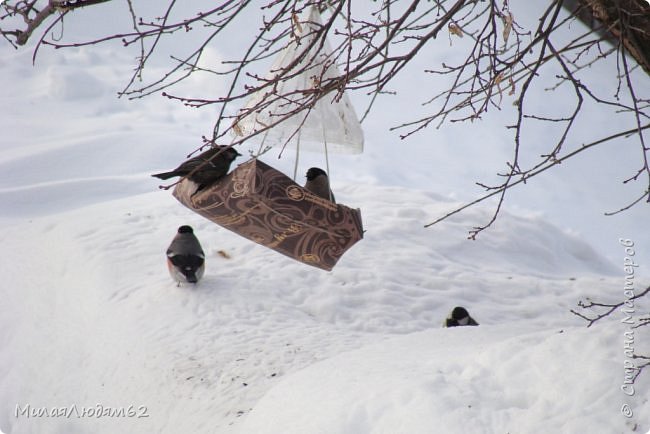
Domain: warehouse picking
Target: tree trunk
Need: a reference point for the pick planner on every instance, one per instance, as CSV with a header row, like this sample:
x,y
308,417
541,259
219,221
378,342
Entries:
x,y
628,21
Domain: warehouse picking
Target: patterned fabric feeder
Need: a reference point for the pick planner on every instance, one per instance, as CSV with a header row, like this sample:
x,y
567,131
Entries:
x,y
267,207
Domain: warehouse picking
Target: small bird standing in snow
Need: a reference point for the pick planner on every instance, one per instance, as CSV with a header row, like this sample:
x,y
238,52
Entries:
x,y
319,184
459,317
185,257
206,168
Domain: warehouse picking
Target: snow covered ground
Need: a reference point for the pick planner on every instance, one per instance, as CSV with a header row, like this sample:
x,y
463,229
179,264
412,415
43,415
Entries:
x,y
96,337
264,344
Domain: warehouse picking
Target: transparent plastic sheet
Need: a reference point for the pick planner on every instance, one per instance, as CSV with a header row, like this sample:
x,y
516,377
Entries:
x,y
329,123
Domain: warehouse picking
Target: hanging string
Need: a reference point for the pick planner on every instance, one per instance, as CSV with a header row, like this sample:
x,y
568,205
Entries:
x,y
327,160
329,8
295,166
259,151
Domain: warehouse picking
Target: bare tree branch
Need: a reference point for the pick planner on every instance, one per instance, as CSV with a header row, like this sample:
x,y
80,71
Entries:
x,y
501,61
606,308
538,171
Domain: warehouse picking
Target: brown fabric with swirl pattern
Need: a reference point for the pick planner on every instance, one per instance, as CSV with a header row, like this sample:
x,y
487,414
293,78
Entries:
x,y
265,206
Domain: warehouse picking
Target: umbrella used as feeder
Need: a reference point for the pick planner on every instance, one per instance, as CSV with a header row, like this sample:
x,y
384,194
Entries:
x,y
262,204
330,125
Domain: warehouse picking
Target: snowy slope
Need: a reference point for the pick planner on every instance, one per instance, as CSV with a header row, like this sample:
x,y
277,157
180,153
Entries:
x,y
93,318
90,320
494,379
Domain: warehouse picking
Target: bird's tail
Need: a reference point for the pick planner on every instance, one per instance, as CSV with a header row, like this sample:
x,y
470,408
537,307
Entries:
x,y
164,175
190,275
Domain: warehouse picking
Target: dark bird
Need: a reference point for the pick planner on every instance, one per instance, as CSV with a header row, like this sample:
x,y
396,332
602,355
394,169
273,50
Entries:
x,y
319,184
185,257
459,317
206,168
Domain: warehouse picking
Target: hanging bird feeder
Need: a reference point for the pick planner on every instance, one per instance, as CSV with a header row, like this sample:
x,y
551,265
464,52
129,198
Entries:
x,y
262,204
267,207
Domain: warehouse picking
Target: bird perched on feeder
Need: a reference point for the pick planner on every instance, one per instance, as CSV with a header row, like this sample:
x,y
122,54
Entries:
x,y
206,168
185,257
459,317
319,184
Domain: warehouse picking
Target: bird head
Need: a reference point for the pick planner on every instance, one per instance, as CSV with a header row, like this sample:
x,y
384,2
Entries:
x,y
230,153
315,172
459,313
185,229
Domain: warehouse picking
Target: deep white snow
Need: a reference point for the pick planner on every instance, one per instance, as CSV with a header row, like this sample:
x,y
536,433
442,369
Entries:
x,y
96,338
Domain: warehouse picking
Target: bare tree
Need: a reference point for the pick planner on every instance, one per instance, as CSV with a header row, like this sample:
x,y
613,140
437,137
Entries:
x,y
500,59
